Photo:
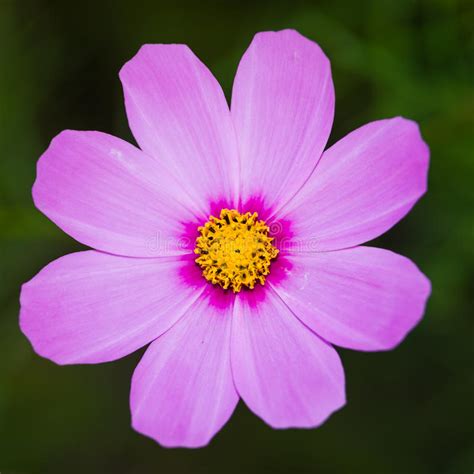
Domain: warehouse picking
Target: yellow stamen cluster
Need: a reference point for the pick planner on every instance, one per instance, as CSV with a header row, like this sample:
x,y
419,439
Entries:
x,y
235,250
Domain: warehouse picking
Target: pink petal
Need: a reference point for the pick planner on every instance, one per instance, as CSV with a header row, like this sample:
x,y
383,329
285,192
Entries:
x,y
179,115
111,196
282,108
362,186
182,390
284,372
91,307
362,298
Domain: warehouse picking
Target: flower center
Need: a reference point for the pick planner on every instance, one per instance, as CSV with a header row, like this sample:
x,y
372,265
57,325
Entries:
x,y
235,250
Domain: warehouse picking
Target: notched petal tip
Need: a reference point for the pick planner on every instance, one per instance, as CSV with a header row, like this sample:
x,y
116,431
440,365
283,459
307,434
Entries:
x,y
147,50
412,129
62,140
291,37
187,444
338,405
421,150
423,286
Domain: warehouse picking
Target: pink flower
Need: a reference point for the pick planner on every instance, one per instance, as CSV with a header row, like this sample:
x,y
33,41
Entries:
x,y
297,279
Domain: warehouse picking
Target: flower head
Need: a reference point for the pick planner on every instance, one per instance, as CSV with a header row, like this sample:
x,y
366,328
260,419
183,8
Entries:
x,y
229,241
235,250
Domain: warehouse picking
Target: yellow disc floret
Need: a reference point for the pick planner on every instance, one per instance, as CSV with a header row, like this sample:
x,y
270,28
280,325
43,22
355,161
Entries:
x,y
235,250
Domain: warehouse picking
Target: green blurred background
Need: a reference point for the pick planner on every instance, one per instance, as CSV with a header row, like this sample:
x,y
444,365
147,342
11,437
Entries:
x,y
410,410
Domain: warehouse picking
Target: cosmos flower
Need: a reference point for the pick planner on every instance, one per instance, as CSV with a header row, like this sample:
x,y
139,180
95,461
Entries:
x,y
229,241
